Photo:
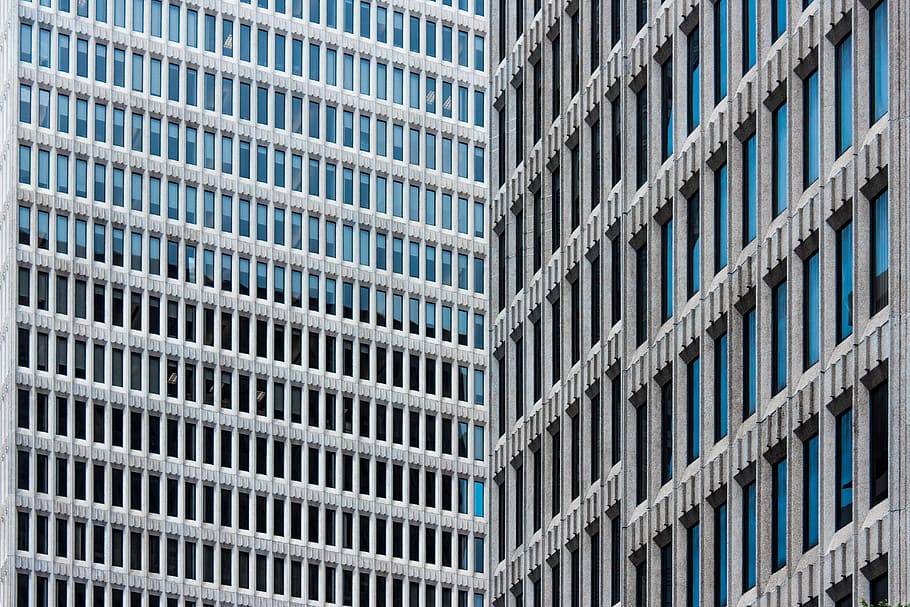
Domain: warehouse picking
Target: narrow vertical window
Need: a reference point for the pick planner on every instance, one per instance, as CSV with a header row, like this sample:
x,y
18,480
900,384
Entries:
x,y
615,280
749,361
778,514
843,95
666,432
641,13
595,35
693,405
641,584
555,474
778,337
616,560
720,218
779,181
556,78
811,311
878,443
878,60
616,429
595,438
693,85
693,250
810,129
693,566
720,555
556,346
641,453
720,387
555,210
843,468
844,303
576,52
641,125
667,569
641,294
720,50
778,18
748,536
750,187
666,270
595,300
666,109
616,151
750,22
878,254
810,492
537,236
538,100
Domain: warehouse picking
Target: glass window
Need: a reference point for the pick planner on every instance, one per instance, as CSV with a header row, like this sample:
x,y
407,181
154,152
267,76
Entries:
x,y
878,60
693,248
694,80
810,129
810,492
811,311
720,555
843,95
778,514
748,536
844,270
778,337
778,19
878,443
878,253
721,387
750,356
750,189
750,21
666,270
693,406
780,159
720,50
721,220
843,468
666,109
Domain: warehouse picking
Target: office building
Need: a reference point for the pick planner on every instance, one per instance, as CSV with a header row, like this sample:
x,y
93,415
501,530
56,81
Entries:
x,y
242,335
699,303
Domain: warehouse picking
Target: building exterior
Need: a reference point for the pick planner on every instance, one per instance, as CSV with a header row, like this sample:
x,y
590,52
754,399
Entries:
x,y
699,301
242,355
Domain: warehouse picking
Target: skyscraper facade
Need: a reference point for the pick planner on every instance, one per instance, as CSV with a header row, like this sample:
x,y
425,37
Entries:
x,y
699,222
243,319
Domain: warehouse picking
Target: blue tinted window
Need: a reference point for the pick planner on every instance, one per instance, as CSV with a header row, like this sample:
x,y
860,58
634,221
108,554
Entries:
x,y
748,536
810,129
843,94
778,515
693,249
779,163
749,190
810,492
750,21
878,60
720,555
720,50
778,18
720,387
693,566
721,222
749,362
694,80
811,310
843,490
844,314
778,337
666,270
693,397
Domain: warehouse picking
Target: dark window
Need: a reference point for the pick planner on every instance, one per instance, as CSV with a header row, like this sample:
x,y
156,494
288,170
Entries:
x,y
810,492
693,248
778,514
843,95
878,253
843,469
748,536
878,444
811,311
778,337
666,432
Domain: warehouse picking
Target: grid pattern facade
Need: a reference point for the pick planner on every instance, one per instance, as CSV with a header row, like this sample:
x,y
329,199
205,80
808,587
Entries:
x,y
699,295
244,328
